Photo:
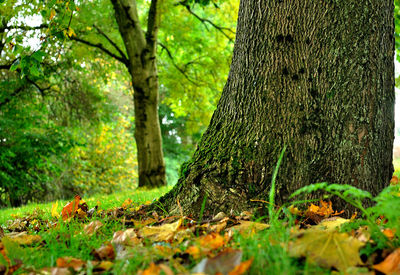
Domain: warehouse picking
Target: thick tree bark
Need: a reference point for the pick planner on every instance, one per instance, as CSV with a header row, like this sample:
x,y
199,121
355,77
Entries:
x,y
317,76
141,49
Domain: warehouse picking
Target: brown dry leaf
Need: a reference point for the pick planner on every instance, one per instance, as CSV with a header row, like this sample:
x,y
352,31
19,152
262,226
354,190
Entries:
x,y
23,238
327,248
105,252
68,261
166,269
219,226
242,268
153,269
391,265
160,233
127,203
248,227
126,238
92,227
223,263
70,208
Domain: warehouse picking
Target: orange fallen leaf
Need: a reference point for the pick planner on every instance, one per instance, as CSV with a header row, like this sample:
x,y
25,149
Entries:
x,y
391,265
389,233
70,208
68,261
194,251
153,269
394,180
242,268
213,241
127,203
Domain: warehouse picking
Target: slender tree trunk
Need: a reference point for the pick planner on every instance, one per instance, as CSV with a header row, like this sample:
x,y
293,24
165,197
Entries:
x,y
141,49
317,76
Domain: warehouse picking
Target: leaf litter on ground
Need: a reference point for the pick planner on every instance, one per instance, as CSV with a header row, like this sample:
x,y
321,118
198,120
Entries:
x,y
181,245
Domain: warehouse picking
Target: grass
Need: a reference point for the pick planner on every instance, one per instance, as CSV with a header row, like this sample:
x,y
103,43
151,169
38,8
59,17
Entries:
x,y
139,196
267,249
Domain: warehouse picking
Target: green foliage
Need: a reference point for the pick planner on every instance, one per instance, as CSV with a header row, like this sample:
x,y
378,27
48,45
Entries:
x,y
30,147
105,161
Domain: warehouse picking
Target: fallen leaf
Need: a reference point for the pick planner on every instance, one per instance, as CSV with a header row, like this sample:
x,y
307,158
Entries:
x,y
212,241
54,212
166,269
92,227
327,248
153,269
332,223
224,262
160,233
23,238
102,266
126,238
127,203
248,227
389,233
70,208
391,265
242,268
72,262
105,252
394,180
194,251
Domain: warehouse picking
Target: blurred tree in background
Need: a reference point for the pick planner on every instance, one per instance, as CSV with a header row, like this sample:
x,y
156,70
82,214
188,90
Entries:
x,y
66,112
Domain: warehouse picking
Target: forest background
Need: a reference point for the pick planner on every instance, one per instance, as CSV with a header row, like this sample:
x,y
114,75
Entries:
x,y
66,109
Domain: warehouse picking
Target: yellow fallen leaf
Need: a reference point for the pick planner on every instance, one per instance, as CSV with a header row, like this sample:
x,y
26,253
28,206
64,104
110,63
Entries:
x,y
160,233
54,212
327,248
248,227
22,238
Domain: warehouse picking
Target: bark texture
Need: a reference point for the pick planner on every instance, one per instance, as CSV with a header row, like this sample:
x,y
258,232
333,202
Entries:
x,y
141,50
317,76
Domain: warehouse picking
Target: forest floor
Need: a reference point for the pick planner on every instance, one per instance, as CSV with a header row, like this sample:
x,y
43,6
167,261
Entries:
x,y
114,234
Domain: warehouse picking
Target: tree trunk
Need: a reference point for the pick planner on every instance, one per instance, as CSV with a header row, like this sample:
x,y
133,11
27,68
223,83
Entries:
x,y
317,76
141,49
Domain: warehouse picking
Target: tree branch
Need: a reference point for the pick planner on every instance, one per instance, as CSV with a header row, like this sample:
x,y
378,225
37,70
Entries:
x,y
204,21
153,22
182,71
10,96
102,48
112,43
27,28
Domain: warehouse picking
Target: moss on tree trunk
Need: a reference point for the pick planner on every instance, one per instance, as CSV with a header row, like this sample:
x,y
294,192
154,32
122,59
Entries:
x,y
317,76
